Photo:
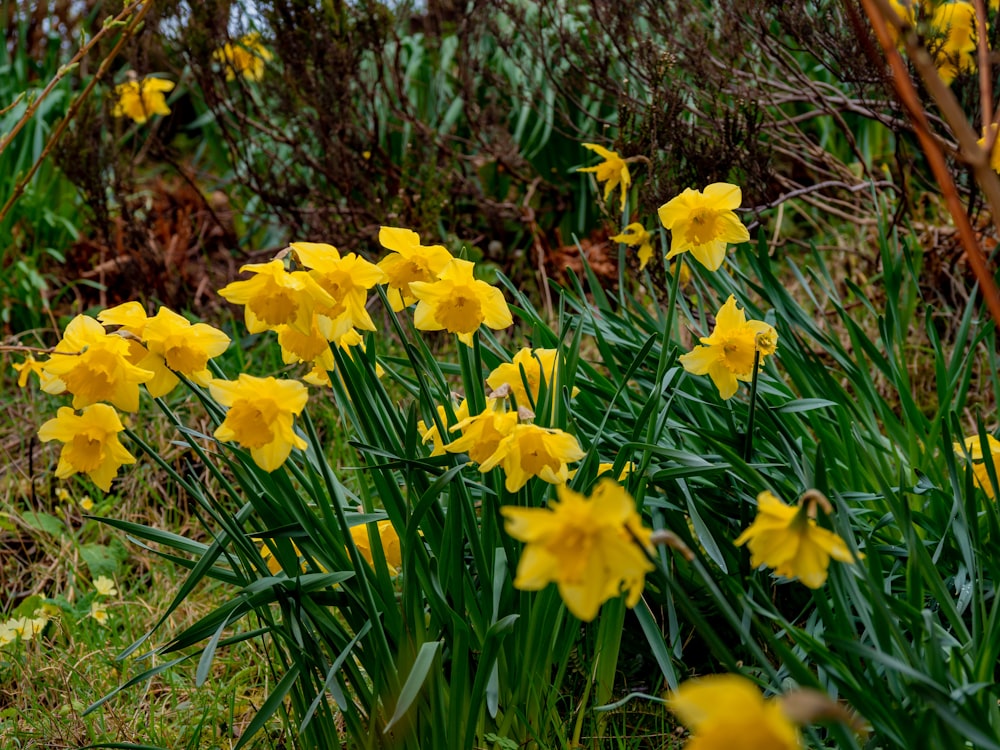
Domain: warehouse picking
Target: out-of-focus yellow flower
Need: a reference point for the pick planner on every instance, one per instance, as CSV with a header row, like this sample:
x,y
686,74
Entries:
x,y
430,433
94,366
727,356
247,56
142,99
99,612
973,446
728,712
347,279
613,172
905,10
275,296
635,235
459,303
23,628
481,434
955,23
592,548
994,156
105,586
704,223
536,364
62,495
90,443
183,347
26,368
260,417
533,451
387,537
408,261
786,539
86,503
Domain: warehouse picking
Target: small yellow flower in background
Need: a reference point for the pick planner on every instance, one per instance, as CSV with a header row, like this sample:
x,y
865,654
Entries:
x,y
389,540
704,224
275,296
247,56
430,434
537,364
26,368
261,415
347,279
994,154
62,495
613,172
728,712
635,235
408,261
140,100
105,586
23,628
459,303
533,451
727,356
787,539
593,548
956,25
183,347
86,503
99,612
973,446
94,366
481,434
90,443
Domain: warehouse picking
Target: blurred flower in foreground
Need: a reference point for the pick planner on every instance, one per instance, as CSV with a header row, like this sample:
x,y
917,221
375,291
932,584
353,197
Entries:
x,y
90,443
387,537
613,171
592,548
728,712
787,539
409,261
142,99
459,303
260,416
974,448
533,451
705,223
94,366
247,56
635,235
727,356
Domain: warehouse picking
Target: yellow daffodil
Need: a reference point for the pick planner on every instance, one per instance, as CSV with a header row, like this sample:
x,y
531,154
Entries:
x,y
537,364
704,223
533,451
94,366
90,443
183,347
130,317
105,586
408,261
247,56
727,356
592,548
481,434
635,235
613,172
459,303
275,296
387,537
728,712
994,154
260,417
347,279
788,540
955,24
430,433
26,368
140,100
974,448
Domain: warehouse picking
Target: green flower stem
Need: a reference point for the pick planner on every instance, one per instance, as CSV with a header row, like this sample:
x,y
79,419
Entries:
x,y
748,439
